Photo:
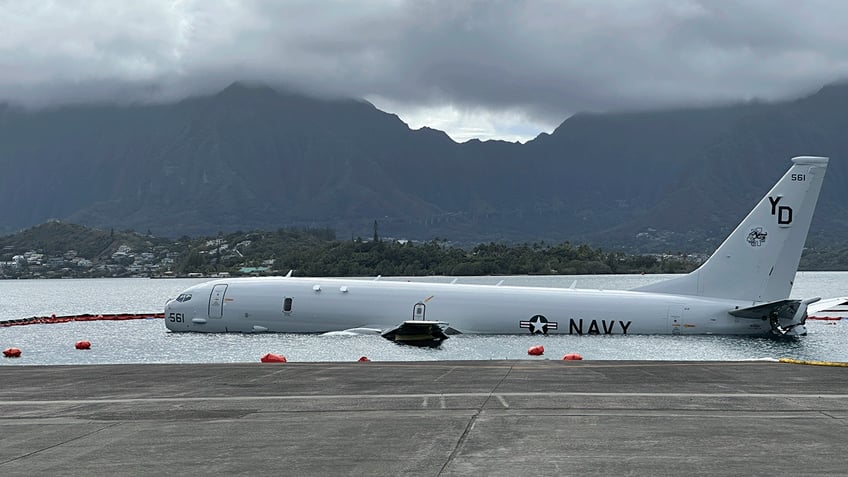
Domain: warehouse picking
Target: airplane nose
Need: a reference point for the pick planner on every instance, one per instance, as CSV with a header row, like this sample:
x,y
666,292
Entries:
x,y
177,312
168,313
173,316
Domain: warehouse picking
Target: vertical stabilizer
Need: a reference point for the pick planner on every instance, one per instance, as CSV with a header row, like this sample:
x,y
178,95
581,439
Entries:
x,y
758,261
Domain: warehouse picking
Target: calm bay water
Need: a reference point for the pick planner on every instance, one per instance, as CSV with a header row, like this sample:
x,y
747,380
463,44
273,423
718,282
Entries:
x,y
147,341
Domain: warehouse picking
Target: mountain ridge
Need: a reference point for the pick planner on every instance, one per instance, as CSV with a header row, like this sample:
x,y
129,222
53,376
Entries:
x,y
252,157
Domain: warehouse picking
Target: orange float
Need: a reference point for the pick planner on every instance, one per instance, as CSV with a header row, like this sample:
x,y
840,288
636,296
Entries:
x,y
84,344
364,359
273,358
538,350
12,352
572,357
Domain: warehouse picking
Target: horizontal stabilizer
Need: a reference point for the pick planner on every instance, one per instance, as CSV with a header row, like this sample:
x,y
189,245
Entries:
x,y
782,308
786,317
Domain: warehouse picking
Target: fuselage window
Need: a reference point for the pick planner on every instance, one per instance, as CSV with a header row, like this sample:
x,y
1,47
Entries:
x,y
287,305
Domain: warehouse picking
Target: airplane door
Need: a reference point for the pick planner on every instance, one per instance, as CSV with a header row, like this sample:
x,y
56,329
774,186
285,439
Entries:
x,y
216,301
675,318
418,311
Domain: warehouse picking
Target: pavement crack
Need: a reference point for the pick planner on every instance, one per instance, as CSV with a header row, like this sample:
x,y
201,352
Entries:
x,y
67,441
449,371
461,441
495,388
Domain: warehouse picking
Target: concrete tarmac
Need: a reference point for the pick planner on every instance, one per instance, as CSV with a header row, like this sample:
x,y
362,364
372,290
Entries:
x,y
533,417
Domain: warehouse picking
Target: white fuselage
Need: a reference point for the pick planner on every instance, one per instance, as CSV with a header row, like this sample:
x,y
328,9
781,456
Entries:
x,y
315,305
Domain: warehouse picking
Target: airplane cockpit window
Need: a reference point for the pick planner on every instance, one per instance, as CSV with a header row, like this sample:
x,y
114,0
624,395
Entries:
x,y
287,305
184,297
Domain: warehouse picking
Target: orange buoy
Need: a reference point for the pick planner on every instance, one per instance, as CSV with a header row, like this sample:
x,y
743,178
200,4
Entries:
x,y
12,352
85,344
273,358
572,357
364,359
536,350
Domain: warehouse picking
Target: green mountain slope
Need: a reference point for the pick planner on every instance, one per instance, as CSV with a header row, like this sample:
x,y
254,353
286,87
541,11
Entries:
x,y
255,158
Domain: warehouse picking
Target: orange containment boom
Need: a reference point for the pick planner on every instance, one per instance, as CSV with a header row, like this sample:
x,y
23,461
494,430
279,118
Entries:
x,y
38,320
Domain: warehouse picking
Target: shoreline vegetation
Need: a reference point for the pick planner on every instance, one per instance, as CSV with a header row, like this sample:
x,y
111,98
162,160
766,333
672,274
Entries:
x,y
62,250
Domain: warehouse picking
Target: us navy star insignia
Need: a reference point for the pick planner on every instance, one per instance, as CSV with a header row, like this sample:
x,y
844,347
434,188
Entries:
x,y
538,324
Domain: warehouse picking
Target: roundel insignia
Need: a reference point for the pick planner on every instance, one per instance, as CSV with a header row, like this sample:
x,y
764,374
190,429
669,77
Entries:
x,y
538,324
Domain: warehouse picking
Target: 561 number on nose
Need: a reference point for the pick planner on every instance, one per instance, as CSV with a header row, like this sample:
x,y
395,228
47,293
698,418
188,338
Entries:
x,y
176,317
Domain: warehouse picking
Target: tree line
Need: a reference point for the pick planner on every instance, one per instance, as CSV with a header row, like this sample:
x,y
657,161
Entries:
x,y
318,253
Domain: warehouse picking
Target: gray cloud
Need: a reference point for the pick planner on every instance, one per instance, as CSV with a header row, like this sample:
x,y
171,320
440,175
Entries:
x,y
537,60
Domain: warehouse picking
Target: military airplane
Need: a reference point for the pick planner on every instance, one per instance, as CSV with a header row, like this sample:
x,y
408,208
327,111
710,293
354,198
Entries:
x,y
742,289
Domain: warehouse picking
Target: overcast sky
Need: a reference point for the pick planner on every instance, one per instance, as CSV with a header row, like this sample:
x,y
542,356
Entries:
x,y
486,69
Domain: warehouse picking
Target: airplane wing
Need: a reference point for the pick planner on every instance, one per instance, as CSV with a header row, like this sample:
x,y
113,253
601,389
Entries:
x,y
354,332
418,333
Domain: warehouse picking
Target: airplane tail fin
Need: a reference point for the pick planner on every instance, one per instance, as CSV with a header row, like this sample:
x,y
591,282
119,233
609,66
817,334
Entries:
x,y
758,261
